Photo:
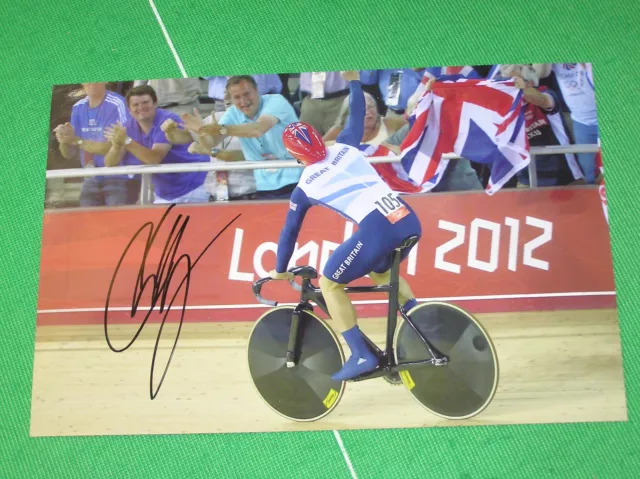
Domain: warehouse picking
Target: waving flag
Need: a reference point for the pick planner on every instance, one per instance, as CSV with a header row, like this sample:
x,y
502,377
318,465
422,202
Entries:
x,y
480,120
445,73
391,173
463,71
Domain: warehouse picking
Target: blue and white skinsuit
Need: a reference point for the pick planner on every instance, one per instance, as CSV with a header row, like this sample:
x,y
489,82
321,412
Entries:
x,y
346,183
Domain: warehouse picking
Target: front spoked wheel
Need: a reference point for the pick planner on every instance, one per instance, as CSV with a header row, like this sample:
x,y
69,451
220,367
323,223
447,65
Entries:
x,y
464,386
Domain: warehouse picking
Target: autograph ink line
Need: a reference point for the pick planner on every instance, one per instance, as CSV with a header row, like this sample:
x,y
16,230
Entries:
x,y
160,281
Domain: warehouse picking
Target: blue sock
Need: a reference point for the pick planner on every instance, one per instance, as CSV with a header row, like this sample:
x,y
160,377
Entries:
x,y
412,303
356,342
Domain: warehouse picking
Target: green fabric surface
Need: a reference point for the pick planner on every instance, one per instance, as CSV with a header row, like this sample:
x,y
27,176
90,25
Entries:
x,y
47,43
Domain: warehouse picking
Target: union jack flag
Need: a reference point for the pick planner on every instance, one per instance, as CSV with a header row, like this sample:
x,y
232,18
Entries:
x,y
391,173
480,120
437,72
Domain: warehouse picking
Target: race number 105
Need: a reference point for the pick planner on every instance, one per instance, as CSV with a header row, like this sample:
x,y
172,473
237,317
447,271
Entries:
x,y
511,227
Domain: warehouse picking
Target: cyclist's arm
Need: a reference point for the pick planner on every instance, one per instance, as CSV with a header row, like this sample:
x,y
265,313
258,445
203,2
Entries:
x,y
298,207
354,128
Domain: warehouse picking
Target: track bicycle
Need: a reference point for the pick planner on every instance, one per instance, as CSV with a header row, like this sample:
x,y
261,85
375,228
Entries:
x,y
441,353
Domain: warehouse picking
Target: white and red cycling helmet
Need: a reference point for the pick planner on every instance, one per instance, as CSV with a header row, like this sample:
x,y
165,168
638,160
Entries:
x,y
304,143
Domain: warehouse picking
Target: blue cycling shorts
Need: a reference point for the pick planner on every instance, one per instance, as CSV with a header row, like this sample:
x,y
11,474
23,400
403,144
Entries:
x,y
371,247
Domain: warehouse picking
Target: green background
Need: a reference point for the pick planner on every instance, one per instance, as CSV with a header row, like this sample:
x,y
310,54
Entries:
x,y
43,43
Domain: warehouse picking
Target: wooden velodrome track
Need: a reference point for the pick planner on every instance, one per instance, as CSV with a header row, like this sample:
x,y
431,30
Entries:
x,y
555,367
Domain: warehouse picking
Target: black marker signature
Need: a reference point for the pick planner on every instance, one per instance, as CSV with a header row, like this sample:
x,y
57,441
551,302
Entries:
x,y
160,281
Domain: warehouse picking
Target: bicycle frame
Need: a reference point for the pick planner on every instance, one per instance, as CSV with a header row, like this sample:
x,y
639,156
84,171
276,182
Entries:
x,y
309,293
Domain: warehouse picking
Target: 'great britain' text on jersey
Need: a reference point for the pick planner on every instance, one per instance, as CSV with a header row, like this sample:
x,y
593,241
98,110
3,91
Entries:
x,y
345,182
316,175
339,156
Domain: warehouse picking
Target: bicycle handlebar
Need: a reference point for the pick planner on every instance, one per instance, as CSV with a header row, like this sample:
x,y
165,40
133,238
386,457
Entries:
x,y
303,271
257,287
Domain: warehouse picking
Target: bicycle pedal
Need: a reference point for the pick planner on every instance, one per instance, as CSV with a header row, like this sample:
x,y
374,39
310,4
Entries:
x,y
440,361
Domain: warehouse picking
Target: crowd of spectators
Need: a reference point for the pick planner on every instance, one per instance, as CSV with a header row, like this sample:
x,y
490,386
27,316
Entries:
x,y
241,118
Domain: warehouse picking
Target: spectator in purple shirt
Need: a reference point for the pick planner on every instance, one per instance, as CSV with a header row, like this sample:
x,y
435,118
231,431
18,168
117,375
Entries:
x,y
141,141
83,138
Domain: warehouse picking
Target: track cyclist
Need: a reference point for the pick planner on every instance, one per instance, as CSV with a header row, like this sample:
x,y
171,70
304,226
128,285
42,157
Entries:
x,y
340,177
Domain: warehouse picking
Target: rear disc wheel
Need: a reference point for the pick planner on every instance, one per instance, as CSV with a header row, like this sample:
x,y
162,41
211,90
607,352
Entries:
x,y
466,385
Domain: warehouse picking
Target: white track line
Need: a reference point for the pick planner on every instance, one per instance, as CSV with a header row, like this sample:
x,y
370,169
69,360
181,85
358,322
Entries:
x,y
344,454
382,301
450,298
168,38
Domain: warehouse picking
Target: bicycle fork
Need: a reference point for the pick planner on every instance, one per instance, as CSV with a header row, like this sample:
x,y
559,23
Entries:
x,y
293,347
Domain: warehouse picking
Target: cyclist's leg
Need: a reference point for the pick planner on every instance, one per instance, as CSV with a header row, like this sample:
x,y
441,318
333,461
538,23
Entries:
x,y
339,304
351,260
381,274
405,295
369,249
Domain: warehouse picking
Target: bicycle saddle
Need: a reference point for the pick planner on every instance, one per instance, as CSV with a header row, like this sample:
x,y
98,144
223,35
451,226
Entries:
x,y
306,272
409,242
